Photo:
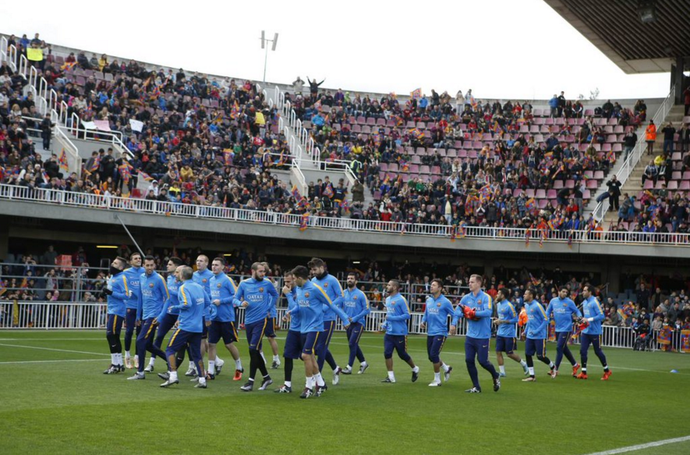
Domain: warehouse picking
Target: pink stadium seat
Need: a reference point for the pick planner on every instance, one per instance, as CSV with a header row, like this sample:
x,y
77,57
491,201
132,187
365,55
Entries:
x,y
371,121
684,185
557,184
543,203
393,167
552,194
586,194
592,184
599,175
529,192
675,156
676,175
540,194
570,183
673,185
588,112
539,121
686,175
648,185
617,147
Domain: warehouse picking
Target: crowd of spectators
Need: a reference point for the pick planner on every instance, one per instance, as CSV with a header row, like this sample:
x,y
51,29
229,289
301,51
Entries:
x,y
213,142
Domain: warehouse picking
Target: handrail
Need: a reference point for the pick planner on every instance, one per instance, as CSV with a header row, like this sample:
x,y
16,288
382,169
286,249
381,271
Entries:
x,y
87,200
73,159
633,159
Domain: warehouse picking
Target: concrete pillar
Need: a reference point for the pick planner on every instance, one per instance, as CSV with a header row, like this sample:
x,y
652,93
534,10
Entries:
x,y
4,241
677,79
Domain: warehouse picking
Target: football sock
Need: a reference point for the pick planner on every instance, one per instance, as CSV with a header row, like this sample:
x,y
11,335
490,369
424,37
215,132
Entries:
x,y
152,361
415,369
445,367
391,376
276,358
127,355
238,364
437,377
212,366
113,359
502,369
531,371
319,380
288,383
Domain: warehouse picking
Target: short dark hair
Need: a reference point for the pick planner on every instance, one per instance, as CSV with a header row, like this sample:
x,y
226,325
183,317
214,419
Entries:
x,y
300,272
531,291
219,259
354,274
438,281
504,293
589,288
175,260
148,257
316,262
396,283
136,253
256,265
186,273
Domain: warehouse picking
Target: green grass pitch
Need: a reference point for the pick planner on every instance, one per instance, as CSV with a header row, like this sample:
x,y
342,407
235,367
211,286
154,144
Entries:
x,y
55,399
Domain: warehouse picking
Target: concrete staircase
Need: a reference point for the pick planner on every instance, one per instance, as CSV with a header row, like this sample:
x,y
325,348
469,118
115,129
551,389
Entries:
x,y
634,183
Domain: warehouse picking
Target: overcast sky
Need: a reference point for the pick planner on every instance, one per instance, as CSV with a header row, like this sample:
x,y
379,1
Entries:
x,y
498,48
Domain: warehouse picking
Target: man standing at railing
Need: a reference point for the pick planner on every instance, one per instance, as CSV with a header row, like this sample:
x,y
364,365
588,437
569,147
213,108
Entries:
x,y
562,309
154,293
133,274
331,285
46,128
591,334
477,308
356,306
436,313
118,292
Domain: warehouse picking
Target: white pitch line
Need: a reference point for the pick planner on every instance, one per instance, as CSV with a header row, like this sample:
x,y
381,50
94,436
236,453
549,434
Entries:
x,y
21,362
53,349
643,446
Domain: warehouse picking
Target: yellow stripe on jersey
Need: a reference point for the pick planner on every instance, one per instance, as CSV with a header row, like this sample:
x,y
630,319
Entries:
x,y
165,285
342,293
490,300
542,309
366,300
598,306
232,283
184,296
405,301
124,281
512,308
330,302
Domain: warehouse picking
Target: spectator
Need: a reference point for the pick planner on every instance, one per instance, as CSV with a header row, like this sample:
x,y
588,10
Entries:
x,y
650,137
614,186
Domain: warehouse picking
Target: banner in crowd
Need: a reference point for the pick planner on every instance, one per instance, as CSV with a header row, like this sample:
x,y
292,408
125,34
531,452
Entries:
x,y
34,54
62,160
685,341
664,337
136,125
102,125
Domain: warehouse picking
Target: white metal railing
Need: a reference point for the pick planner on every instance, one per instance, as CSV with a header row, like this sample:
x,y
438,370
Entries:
x,y
634,157
67,198
66,315
71,151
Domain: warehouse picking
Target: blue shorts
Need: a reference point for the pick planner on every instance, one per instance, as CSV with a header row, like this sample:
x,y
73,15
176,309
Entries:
x,y
224,330
395,343
179,341
255,333
477,348
293,345
311,342
271,328
506,344
114,324
328,327
434,346
535,346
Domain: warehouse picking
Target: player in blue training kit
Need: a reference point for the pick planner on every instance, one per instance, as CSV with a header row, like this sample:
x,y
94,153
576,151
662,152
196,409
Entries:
x,y
563,309
118,292
591,335
133,274
506,334
194,305
271,325
477,308
395,327
255,294
202,277
293,341
535,333
331,285
438,309
311,302
356,306
223,325
154,293
167,317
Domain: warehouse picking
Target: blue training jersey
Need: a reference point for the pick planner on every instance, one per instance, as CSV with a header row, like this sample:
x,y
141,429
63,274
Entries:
x,y
331,286
506,312
154,294
258,295
173,288
483,307
133,274
592,310
203,279
355,305
223,289
537,321
562,311
436,315
295,324
117,300
397,315
311,302
193,304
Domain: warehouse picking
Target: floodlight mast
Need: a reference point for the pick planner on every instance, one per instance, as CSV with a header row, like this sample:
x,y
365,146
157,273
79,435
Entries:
x,y
264,46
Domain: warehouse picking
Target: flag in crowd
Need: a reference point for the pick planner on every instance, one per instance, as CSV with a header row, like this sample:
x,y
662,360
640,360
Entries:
x,y
304,222
143,175
416,93
62,160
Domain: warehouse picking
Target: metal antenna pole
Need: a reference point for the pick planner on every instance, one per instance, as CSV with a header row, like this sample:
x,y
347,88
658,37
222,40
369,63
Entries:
x,y
130,235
